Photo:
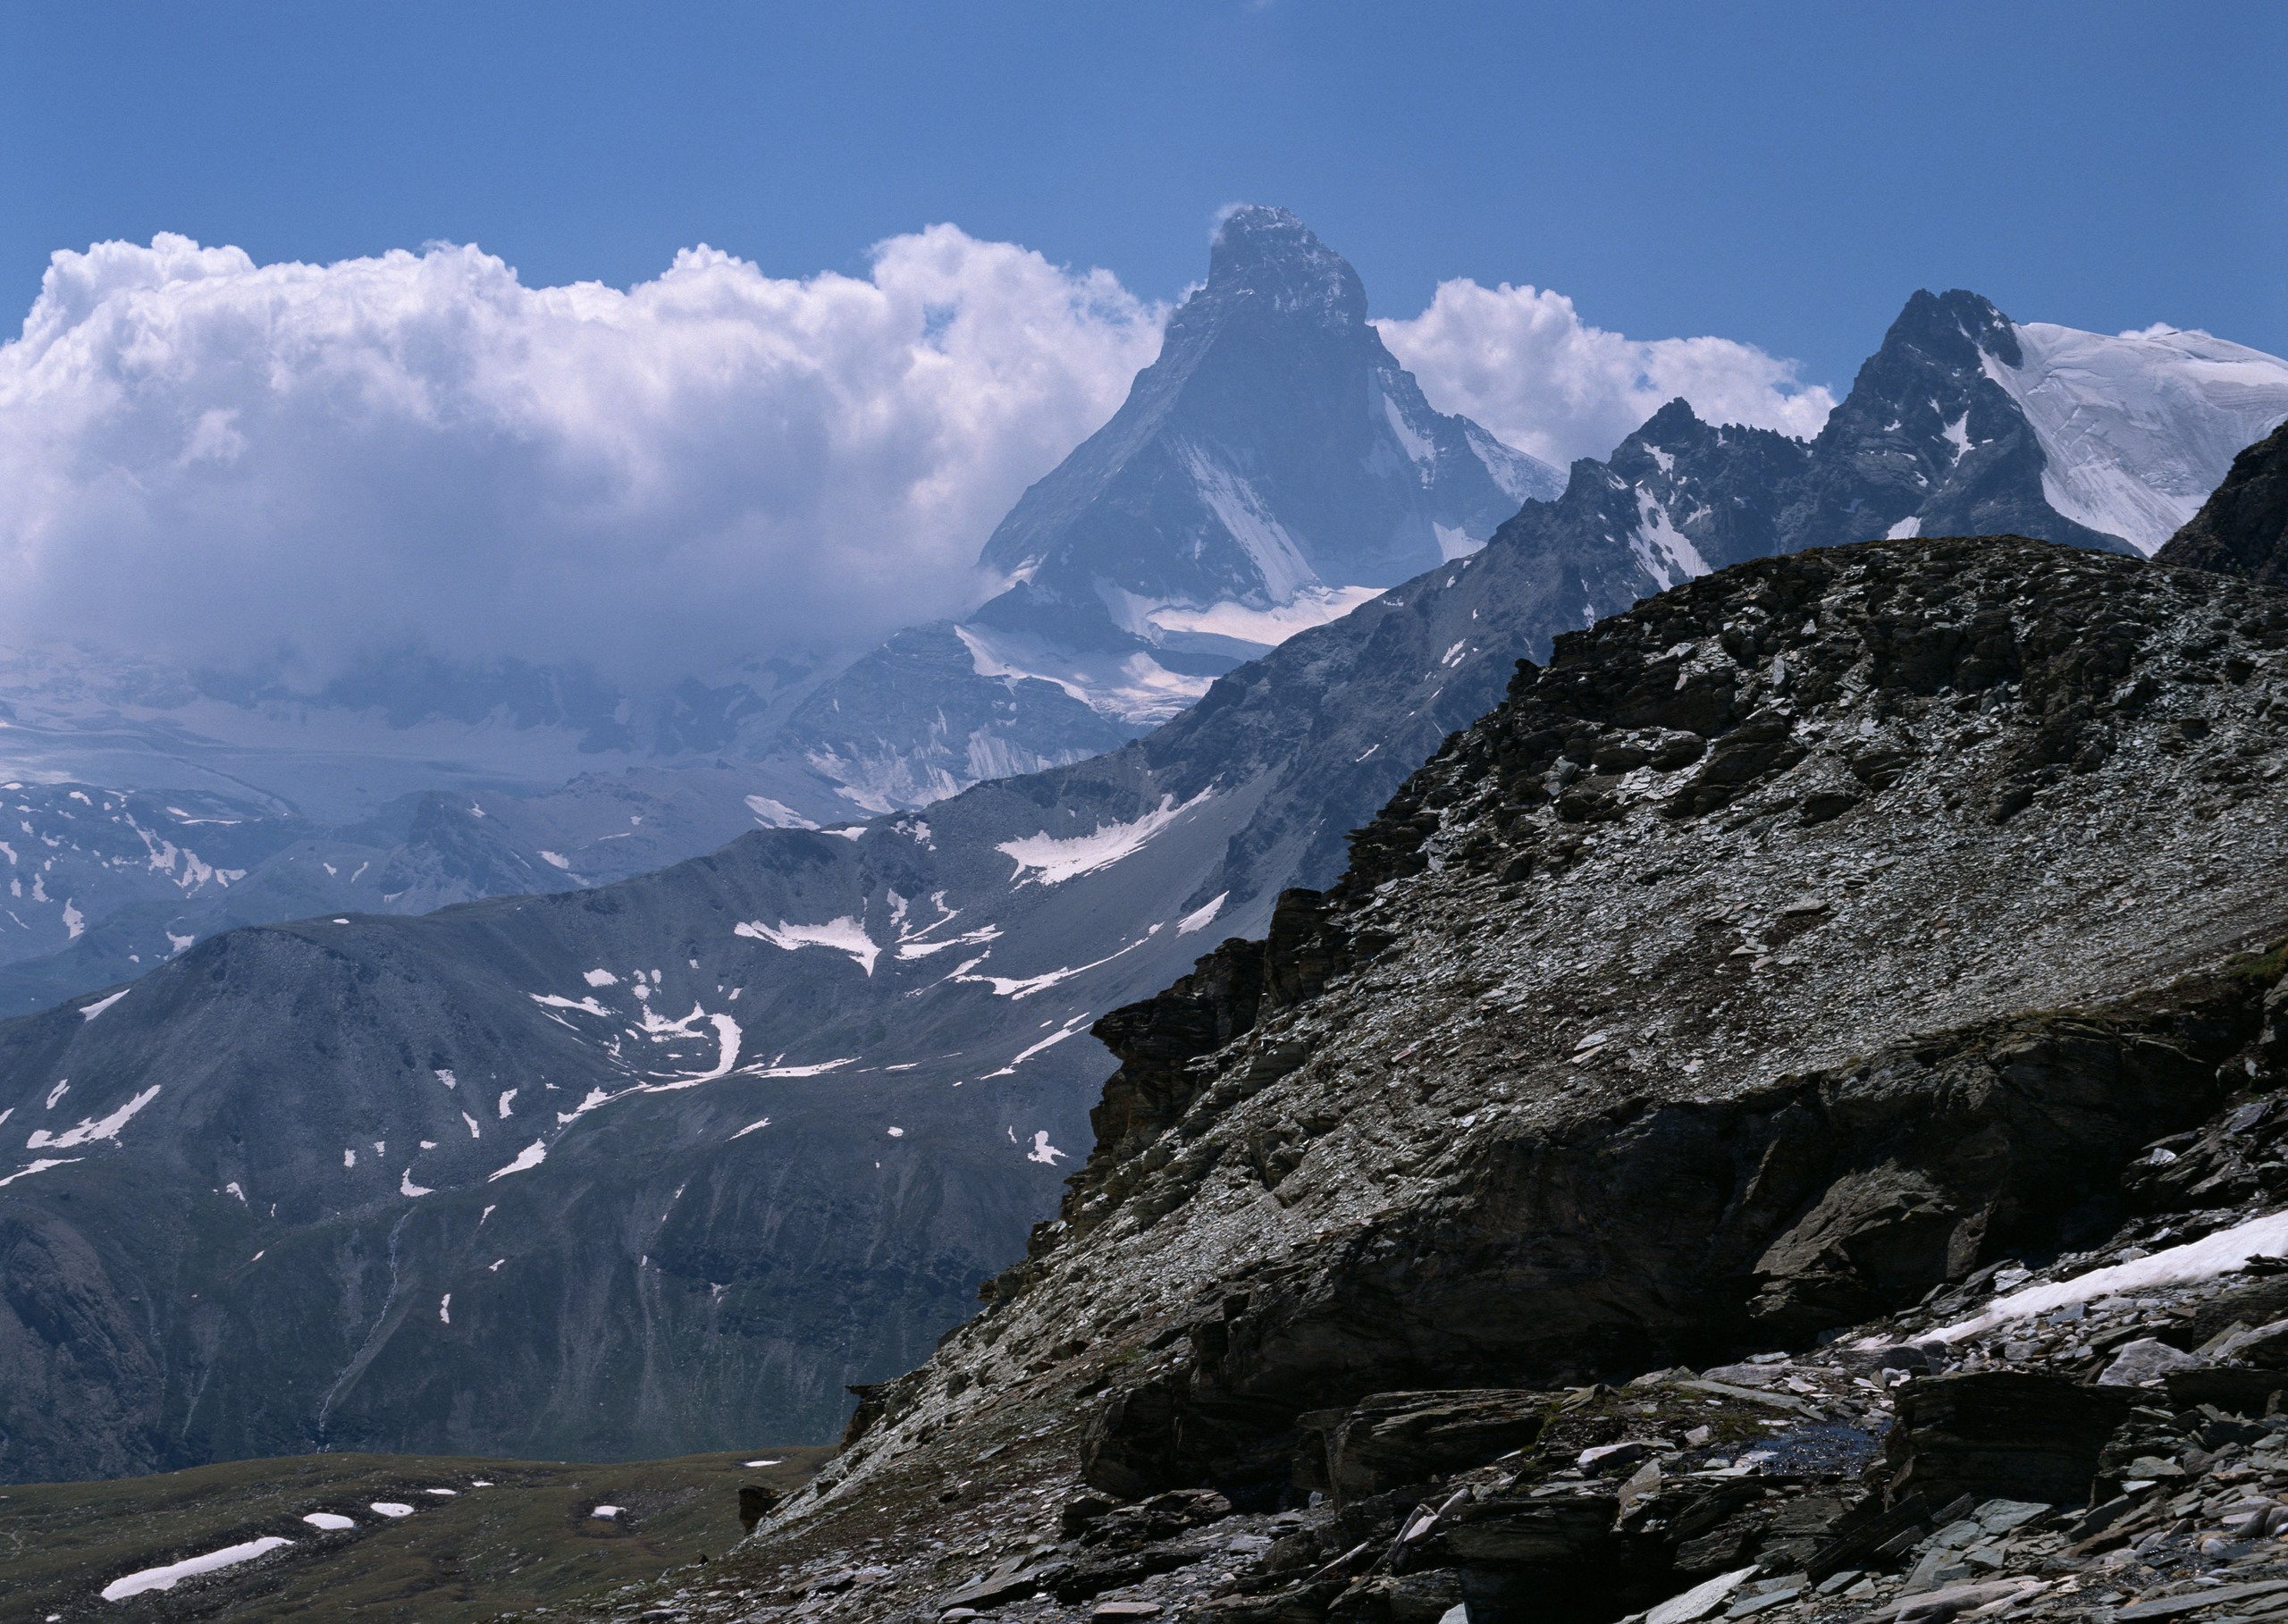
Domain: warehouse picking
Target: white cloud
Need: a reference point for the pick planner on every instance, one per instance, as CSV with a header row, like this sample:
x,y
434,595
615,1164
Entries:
x,y
210,459
1521,361
203,456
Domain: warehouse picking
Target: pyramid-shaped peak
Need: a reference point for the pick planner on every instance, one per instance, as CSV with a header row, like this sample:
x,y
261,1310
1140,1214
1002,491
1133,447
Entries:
x,y
1941,324
1269,253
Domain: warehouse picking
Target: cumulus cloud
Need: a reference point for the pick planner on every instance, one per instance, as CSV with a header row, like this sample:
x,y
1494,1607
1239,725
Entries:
x,y
1521,361
299,467
204,458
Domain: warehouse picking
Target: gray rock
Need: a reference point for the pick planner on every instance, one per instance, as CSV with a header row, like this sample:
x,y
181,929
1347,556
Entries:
x,y
2146,1361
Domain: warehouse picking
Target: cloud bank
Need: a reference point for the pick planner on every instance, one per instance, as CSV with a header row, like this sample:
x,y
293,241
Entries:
x,y
1521,361
206,458
296,467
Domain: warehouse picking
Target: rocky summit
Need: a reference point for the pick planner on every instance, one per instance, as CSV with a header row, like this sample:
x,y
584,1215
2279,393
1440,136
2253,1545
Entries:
x,y
1776,1119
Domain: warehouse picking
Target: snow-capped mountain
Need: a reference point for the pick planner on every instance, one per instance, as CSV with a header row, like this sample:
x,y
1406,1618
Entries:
x,y
644,1168
1964,423
2136,429
1274,469
147,807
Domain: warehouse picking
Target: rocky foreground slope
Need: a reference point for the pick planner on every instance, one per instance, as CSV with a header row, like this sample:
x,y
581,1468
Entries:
x,y
1641,1182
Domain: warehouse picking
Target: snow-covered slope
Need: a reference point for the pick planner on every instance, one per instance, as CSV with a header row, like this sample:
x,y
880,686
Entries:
x,y
2138,428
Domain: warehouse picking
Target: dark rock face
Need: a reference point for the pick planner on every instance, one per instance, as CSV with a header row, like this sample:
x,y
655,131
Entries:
x,y
2243,528
2001,1435
1665,1233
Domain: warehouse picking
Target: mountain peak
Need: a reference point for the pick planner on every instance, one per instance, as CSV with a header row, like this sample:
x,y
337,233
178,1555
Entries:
x,y
1956,326
1269,253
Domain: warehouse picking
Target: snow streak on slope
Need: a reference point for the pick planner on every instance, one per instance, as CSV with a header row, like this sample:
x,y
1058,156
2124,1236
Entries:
x,y
843,935
1059,860
2137,429
1264,627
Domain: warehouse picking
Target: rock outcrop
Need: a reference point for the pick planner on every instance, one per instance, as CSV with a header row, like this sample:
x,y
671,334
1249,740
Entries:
x,y
2243,528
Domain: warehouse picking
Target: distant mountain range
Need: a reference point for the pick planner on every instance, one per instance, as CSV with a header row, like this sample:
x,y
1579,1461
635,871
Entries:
x,y
1274,469
669,1162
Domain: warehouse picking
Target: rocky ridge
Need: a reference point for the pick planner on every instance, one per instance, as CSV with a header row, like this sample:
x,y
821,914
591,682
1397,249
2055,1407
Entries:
x,y
2243,528
1616,1189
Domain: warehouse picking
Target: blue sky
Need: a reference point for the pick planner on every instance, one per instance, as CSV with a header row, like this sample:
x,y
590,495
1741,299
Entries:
x,y
1781,174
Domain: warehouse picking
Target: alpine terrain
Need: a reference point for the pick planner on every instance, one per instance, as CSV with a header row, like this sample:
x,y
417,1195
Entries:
x,y
1779,1119
633,1169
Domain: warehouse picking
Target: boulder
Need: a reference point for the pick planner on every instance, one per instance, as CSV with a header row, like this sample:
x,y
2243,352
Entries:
x,y
1391,1439
2000,1434
2144,1362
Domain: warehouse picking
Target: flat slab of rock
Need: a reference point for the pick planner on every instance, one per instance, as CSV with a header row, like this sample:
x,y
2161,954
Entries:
x,y
1391,1439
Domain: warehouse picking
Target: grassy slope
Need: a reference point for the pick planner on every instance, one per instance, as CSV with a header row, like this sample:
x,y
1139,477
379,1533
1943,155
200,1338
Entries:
x,y
527,1540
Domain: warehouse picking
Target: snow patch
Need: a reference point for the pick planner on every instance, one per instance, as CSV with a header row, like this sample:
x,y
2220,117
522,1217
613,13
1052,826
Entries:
x,y
1059,860
391,1508
777,815
333,1522
2137,428
444,1316
1203,916
586,1007
89,1128
1043,1152
190,1567
1279,561
89,1011
1071,1027
1023,987
2220,1253
1269,627
41,1164
601,978
531,1155
1907,528
847,935
1454,542
406,1187
1666,552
